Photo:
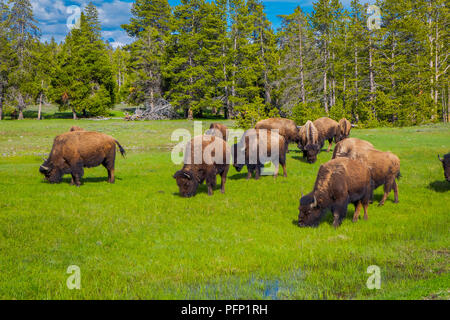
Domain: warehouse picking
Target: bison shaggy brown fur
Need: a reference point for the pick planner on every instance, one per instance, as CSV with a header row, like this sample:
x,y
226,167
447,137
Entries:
x,y
218,130
328,130
73,151
309,140
75,128
205,157
350,147
344,129
446,164
384,166
248,152
286,127
339,182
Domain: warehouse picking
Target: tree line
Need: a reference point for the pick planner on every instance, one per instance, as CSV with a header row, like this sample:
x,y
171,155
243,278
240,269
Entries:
x,y
225,58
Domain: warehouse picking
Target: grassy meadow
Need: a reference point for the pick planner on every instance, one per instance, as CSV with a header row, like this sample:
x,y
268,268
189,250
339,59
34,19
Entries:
x,y
138,239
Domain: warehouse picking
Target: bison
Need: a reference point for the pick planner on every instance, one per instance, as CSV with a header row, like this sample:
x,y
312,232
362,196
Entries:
x,y
309,140
257,147
328,130
287,128
344,129
384,166
75,128
73,151
218,130
205,157
446,164
350,147
339,182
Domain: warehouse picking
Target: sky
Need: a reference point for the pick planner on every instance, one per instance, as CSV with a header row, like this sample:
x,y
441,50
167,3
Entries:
x,y
54,15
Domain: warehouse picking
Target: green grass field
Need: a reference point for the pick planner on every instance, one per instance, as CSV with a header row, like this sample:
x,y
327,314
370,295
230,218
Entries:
x,y
138,239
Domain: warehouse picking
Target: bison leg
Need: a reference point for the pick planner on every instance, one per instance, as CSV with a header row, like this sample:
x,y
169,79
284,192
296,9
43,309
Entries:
x,y
277,169
223,178
339,213
258,172
395,192
358,207
330,143
366,207
211,180
249,172
77,174
387,189
111,178
108,163
284,169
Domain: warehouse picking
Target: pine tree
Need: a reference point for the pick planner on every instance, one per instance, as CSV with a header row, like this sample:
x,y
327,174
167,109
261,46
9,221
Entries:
x,y
297,55
24,33
145,63
149,13
6,54
83,81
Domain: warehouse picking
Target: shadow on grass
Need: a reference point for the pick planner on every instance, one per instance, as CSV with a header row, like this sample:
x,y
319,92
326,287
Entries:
x,y
301,159
328,217
439,186
90,180
203,188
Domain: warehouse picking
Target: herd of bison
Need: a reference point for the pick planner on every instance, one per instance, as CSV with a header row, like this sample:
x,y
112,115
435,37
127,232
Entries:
x,y
355,171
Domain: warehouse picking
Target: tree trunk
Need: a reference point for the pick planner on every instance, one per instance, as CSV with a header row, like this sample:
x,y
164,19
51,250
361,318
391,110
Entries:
x,y
356,75
233,87
40,107
74,114
1,100
371,77
300,53
268,99
225,78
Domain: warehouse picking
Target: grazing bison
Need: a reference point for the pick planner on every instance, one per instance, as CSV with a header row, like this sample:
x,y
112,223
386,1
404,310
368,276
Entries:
x,y
73,151
384,166
328,130
287,128
258,147
309,140
205,157
75,128
350,147
218,130
339,182
344,129
446,164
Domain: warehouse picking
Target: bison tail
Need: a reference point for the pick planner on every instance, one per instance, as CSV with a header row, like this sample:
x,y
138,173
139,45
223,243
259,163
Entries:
x,y
122,150
399,175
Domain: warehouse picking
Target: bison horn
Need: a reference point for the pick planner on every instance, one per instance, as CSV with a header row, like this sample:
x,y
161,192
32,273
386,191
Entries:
x,y
314,204
187,175
439,157
44,168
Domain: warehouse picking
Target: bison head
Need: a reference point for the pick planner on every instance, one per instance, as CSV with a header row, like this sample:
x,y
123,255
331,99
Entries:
x,y
52,173
309,211
187,183
311,152
446,164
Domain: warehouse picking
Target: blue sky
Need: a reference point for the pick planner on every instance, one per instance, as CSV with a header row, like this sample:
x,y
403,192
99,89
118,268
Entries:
x,y
52,15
